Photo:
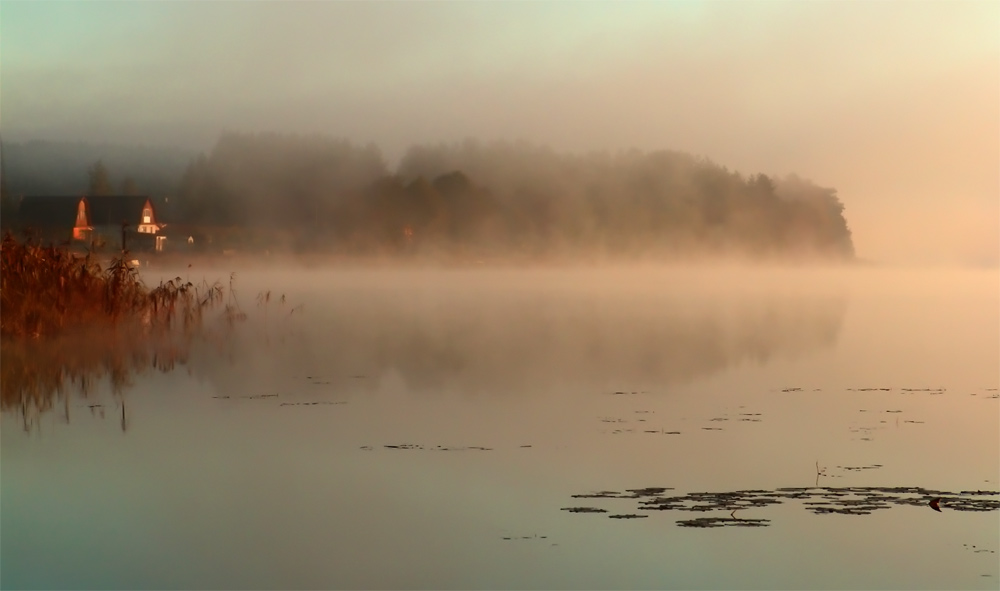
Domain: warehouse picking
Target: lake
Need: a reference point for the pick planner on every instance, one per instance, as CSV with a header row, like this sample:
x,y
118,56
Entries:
x,y
629,428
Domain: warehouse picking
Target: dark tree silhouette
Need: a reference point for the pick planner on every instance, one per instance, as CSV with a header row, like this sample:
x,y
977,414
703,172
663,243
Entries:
x,y
129,187
99,179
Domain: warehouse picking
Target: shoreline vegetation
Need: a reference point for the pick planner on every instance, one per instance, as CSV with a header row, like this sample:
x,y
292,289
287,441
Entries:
x,y
69,323
258,193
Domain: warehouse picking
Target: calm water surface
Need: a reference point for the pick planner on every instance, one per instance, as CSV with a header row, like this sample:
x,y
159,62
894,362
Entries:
x,y
429,429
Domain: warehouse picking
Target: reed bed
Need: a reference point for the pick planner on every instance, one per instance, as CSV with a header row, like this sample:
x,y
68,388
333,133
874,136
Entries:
x,y
67,322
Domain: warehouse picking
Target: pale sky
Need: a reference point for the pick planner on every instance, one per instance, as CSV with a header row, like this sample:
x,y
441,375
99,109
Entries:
x,y
894,103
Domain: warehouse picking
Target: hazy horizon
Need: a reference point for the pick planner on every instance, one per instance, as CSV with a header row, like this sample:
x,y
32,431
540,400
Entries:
x,y
894,105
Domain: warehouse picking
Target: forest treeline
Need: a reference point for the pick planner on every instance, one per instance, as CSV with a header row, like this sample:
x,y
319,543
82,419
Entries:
x,y
509,198
498,199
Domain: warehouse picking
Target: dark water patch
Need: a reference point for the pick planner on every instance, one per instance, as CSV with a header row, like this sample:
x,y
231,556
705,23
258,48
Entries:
x,y
584,510
531,537
893,411
817,500
859,510
859,468
633,493
711,429
972,548
710,522
258,396
315,403
661,505
604,494
791,389
914,422
317,380
964,504
648,492
417,446
719,419
628,516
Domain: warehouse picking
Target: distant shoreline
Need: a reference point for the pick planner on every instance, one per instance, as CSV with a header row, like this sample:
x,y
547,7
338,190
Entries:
x,y
244,260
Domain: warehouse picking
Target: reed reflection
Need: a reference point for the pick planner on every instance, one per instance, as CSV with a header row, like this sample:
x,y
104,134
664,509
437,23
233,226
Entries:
x,y
68,323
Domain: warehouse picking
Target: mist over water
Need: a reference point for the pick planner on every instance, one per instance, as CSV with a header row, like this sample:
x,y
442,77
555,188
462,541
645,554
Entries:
x,y
515,331
448,415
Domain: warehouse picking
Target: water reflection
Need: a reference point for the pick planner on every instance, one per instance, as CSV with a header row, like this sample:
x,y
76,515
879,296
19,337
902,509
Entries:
x,y
280,451
37,377
506,343
523,342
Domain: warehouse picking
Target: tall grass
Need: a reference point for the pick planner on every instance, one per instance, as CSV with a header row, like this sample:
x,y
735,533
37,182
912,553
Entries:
x,y
66,321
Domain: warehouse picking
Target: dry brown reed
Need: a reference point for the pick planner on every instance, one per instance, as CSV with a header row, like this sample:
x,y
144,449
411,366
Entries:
x,y
65,323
